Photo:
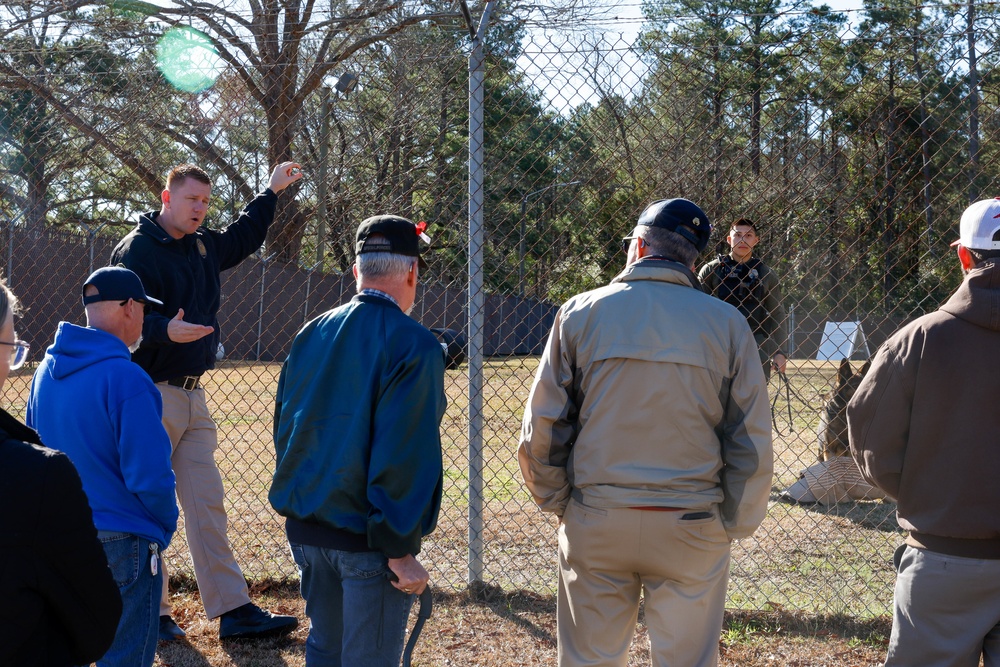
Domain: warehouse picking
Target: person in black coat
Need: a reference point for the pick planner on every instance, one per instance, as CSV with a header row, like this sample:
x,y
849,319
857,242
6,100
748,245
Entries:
x,y
60,602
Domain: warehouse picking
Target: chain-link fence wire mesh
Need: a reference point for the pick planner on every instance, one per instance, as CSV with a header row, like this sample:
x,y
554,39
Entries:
x,y
853,140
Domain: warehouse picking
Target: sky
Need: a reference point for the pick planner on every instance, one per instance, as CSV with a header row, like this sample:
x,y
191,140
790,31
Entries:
x,y
567,81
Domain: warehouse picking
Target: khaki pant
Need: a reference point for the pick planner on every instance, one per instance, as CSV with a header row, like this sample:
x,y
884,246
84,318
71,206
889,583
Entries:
x,y
946,611
608,557
194,439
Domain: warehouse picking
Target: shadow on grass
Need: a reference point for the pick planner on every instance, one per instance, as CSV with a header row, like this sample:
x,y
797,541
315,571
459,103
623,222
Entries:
x,y
184,582
514,606
202,646
791,623
252,652
180,653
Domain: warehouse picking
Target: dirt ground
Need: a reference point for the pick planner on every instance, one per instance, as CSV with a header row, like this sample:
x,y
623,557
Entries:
x,y
493,627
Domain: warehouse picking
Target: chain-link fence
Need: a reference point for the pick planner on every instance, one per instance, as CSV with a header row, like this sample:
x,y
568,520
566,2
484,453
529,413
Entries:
x,y
853,140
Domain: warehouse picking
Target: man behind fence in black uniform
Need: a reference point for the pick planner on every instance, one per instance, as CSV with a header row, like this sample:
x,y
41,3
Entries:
x,y
742,280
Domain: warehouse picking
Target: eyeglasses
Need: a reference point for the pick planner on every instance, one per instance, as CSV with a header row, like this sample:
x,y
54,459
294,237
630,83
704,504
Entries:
x,y
19,354
627,241
146,308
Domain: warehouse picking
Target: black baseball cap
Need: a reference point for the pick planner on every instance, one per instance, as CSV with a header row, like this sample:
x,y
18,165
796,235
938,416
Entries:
x,y
680,216
393,234
116,283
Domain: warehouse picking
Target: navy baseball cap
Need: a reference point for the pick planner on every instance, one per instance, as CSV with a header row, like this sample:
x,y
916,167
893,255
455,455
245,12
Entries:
x,y
116,283
392,233
681,217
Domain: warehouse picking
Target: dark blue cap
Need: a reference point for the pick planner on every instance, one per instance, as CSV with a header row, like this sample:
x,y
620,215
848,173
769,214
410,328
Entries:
x,y
680,216
116,283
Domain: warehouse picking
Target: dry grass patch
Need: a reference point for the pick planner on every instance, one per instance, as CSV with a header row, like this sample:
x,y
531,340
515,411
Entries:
x,y
487,626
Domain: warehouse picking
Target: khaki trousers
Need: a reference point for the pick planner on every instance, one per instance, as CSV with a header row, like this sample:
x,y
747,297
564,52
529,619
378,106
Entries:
x,y
194,439
608,557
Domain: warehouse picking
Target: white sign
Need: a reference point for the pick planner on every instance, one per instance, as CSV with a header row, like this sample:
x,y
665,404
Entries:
x,y
843,340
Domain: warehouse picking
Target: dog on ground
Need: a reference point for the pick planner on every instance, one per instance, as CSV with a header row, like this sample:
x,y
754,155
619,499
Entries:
x,y
835,478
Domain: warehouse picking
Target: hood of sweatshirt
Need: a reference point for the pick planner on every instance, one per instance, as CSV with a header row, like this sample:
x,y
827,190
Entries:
x,y
76,348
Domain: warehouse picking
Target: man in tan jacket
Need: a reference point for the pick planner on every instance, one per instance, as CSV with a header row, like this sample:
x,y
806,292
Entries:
x,y
647,432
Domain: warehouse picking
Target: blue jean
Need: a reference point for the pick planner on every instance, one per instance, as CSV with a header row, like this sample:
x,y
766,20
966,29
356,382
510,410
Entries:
x,y
135,639
356,616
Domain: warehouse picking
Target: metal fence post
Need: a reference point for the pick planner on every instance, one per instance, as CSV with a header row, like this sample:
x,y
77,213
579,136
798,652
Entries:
x,y
791,331
476,296
260,305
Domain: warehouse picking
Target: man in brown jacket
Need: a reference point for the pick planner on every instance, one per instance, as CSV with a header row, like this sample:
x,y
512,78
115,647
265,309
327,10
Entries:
x,y
923,427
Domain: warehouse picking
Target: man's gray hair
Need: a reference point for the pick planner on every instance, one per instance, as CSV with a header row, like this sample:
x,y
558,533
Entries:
x,y
383,265
669,244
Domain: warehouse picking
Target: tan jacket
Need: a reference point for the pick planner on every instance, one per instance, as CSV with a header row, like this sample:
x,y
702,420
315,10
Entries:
x,y
650,393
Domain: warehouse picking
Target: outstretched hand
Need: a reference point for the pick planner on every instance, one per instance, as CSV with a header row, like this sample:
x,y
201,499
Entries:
x,y
180,331
284,175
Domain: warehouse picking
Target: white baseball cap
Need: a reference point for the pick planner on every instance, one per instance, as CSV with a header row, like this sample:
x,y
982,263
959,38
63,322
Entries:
x,y
979,223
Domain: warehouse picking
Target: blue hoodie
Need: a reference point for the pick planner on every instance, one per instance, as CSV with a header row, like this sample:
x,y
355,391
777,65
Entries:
x,y
90,401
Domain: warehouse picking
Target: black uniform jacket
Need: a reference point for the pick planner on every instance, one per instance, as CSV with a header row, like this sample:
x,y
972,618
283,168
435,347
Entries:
x,y
185,273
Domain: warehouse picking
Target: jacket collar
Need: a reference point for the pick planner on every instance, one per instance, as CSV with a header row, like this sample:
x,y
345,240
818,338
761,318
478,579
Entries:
x,y
16,430
376,300
150,227
662,270
977,299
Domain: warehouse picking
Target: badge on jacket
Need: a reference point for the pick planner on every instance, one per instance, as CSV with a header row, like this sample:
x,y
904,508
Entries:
x,y
201,248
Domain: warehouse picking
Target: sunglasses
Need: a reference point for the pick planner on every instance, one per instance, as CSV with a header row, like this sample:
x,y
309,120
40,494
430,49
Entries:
x,y
146,308
627,241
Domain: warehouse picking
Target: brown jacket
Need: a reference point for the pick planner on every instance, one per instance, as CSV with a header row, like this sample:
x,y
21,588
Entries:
x,y
924,425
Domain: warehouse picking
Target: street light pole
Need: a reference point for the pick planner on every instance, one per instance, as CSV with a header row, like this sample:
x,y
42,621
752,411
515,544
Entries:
x,y
344,85
324,150
521,241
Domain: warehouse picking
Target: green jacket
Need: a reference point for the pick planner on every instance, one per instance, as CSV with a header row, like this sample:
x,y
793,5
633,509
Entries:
x,y
356,426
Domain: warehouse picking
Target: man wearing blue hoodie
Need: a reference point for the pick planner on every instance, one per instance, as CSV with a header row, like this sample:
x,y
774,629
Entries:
x,y
90,401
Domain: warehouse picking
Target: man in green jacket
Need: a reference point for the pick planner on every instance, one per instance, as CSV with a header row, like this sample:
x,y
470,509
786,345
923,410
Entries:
x,y
359,472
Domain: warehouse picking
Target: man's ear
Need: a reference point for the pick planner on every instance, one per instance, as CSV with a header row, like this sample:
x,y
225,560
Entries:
x,y
965,258
165,197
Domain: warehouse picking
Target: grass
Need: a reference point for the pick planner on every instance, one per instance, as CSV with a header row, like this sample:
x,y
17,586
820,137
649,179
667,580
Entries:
x,y
812,587
489,626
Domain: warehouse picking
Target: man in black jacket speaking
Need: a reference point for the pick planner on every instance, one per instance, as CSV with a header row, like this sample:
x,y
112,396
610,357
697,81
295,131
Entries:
x,y
180,261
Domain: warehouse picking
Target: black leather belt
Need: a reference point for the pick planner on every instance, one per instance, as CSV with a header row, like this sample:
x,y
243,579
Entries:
x,y
185,382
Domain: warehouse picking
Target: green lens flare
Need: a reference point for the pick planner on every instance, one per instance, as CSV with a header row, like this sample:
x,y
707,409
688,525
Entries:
x,y
188,59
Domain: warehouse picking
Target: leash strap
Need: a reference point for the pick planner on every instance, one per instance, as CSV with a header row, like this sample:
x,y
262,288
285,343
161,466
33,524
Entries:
x,y
426,606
